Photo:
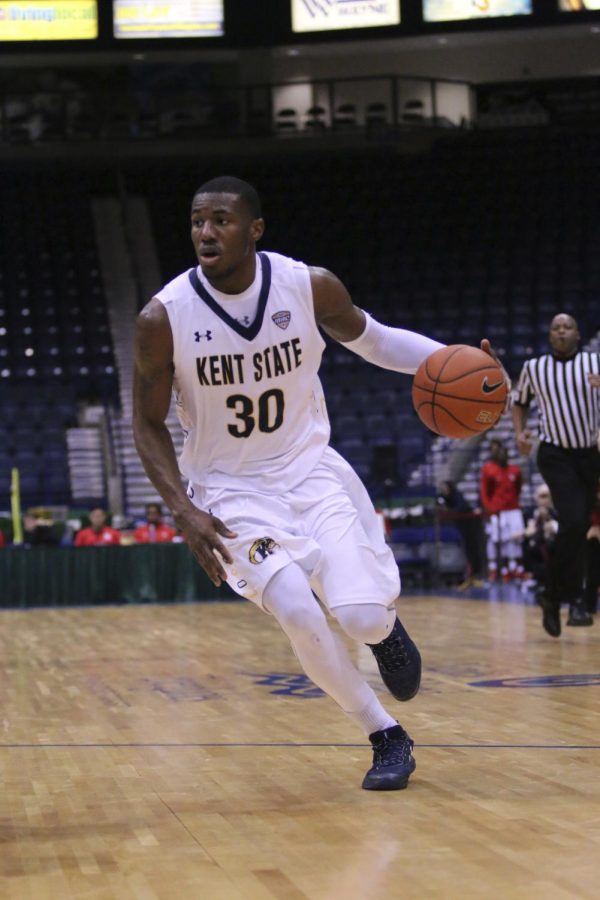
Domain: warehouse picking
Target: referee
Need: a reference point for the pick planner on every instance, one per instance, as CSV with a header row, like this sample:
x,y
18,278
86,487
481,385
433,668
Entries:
x,y
563,382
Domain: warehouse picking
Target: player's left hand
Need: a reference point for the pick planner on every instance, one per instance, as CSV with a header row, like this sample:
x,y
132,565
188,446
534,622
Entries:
x,y
594,380
487,348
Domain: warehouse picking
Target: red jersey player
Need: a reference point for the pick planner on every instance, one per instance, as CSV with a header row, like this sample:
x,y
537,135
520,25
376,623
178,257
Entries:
x,y
500,488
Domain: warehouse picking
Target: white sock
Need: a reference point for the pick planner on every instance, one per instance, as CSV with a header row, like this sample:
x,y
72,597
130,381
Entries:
x,y
373,717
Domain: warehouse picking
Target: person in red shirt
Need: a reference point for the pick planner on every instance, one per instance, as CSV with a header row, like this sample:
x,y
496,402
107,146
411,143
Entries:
x,y
500,489
99,534
2,541
155,531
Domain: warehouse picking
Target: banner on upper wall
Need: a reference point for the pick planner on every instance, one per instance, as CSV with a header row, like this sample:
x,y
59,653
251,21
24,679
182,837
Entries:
x,y
48,20
339,15
457,10
176,19
578,5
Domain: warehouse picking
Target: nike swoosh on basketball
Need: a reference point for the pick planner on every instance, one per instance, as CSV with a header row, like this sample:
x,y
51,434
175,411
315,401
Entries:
x,y
489,388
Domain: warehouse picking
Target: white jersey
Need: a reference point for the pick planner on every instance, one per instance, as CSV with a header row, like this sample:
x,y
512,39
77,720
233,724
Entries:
x,y
247,391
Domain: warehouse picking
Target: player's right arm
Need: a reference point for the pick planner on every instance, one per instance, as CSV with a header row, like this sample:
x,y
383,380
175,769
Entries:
x,y
390,348
152,387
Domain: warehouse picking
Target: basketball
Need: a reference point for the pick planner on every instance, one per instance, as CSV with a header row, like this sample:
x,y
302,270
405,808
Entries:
x,y
459,391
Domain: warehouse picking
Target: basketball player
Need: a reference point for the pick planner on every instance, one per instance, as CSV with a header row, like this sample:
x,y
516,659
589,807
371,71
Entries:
x,y
500,488
270,507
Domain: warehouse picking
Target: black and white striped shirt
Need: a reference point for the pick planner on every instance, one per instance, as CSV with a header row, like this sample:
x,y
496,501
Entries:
x,y
568,405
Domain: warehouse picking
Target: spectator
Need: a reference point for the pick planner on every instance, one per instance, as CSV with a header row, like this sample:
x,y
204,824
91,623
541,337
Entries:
x,y
467,521
155,531
99,534
38,528
564,382
500,487
538,538
2,539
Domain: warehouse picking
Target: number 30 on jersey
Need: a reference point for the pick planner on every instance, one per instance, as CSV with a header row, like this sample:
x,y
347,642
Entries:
x,y
268,413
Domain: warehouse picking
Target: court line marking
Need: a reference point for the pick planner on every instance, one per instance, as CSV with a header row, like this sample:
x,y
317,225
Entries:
x,y
268,744
496,593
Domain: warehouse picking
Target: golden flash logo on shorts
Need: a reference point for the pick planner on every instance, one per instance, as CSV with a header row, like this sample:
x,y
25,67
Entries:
x,y
262,548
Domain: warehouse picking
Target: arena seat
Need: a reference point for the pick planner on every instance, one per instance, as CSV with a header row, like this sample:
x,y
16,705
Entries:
x,y
53,325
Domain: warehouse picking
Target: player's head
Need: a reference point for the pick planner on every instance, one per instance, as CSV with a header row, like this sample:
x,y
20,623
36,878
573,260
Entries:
x,y
564,335
229,184
498,451
226,225
97,518
153,513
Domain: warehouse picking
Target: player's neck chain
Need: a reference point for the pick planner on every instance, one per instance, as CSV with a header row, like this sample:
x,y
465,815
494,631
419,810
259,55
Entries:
x,y
246,331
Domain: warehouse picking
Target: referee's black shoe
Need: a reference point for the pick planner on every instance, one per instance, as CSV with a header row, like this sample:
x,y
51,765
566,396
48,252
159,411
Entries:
x,y
399,662
551,616
393,762
578,614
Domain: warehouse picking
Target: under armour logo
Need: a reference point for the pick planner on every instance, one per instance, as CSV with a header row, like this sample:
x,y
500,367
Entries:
x,y
198,335
245,320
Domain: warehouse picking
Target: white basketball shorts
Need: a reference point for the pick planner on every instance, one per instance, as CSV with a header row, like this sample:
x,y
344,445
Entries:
x,y
327,524
506,526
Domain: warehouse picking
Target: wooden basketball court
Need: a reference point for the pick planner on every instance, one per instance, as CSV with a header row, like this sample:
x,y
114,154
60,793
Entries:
x,y
176,752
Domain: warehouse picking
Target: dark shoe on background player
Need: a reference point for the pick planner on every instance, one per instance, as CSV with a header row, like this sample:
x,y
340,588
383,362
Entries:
x,y
393,761
578,614
399,662
550,615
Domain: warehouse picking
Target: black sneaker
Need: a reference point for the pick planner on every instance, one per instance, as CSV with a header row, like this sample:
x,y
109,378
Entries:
x,y
393,761
399,662
578,614
551,616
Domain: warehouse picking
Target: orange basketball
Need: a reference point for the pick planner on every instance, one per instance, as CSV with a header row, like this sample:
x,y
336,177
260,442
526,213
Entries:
x,y
459,391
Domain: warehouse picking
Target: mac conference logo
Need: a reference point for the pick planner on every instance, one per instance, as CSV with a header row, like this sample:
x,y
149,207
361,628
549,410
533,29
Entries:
x,y
282,318
261,549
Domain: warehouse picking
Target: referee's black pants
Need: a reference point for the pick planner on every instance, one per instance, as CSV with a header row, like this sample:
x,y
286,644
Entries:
x,y
572,476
